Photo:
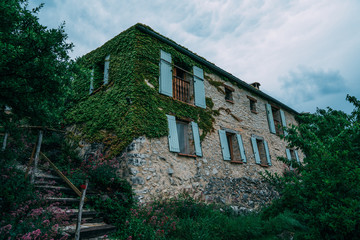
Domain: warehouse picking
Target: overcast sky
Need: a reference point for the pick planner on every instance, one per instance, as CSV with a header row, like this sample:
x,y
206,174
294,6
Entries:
x,y
305,53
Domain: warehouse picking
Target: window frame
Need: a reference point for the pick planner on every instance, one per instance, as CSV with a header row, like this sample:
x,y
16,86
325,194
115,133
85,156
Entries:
x,y
253,102
188,78
193,133
229,90
232,138
264,147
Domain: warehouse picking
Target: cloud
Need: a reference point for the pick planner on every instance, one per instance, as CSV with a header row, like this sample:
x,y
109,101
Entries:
x,y
306,84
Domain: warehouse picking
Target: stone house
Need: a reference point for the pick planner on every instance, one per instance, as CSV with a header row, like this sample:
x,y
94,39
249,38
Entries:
x,y
178,122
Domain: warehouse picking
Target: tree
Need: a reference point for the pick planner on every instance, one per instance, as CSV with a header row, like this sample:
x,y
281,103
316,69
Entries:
x,y
325,190
35,69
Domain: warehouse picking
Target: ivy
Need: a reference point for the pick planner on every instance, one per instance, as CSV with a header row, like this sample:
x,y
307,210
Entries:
x,y
128,107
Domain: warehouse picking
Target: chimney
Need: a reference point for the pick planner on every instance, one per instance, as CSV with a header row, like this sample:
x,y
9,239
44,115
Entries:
x,y
256,85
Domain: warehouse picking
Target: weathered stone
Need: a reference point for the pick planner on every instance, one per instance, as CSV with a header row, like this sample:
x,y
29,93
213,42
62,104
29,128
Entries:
x,y
170,171
137,180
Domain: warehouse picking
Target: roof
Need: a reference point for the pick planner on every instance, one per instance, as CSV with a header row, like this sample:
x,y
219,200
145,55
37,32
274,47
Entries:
x,y
212,66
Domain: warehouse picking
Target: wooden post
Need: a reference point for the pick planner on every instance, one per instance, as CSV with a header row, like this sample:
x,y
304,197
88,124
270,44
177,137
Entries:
x,y
30,161
81,204
38,147
4,143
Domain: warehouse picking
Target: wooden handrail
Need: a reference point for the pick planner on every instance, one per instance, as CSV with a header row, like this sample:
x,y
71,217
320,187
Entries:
x,y
72,186
30,162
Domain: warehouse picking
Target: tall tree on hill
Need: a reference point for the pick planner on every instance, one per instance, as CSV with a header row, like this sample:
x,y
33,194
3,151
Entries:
x,y
324,191
35,69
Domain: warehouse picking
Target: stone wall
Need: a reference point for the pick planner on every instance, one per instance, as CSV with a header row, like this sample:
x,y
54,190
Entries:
x,y
155,172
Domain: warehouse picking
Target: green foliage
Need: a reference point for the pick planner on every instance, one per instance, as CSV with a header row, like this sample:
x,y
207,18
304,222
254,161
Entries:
x,y
186,218
35,68
325,190
128,107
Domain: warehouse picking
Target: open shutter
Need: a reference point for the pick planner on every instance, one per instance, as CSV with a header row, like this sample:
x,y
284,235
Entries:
x,y
165,78
195,130
224,145
256,151
270,118
297,156
288,154
283,120
199,87
106,69
91,89
173,135
268,158
241,147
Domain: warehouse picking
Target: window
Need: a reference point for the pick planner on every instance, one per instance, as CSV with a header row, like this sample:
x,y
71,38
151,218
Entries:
x,y
261,151
292,154
99,74
186,141
252,104
183,85
276,119
229,93
178,82
232,146
184,137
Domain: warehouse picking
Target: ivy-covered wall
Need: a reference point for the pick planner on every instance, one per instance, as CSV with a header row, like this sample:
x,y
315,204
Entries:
x,y
130,105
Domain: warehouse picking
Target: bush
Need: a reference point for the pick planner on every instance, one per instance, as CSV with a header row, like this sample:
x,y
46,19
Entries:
x,y
325,192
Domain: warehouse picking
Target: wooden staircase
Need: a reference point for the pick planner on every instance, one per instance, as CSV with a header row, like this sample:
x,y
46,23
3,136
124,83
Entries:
x,y
92,224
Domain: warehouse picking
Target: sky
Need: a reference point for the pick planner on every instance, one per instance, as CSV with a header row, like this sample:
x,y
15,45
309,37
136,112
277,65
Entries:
x,y
304,53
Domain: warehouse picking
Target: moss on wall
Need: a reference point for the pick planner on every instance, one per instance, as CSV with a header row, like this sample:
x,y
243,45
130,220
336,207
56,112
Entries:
x,y
128,107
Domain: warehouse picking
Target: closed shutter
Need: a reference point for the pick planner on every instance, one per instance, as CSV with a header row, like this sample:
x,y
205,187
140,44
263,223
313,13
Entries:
x,y
283,120
91,82
195,130
173,135
288,154
268,158
241,147
165,78
106,69
199,87
224,145
256,151
297,156
270,118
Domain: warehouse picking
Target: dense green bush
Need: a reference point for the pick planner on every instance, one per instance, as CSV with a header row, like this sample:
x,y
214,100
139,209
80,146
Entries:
x,y
324,192
186,218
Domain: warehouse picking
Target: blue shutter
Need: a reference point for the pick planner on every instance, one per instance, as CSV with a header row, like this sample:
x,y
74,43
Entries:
x,y
268,158
224,145
288,154
195,130
270,118
165,78
256,151
106,69
297,156
173,135
91,82
241,147
283,120
199,87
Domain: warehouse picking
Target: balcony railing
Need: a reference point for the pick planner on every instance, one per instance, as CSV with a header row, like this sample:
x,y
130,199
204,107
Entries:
x,y
181,89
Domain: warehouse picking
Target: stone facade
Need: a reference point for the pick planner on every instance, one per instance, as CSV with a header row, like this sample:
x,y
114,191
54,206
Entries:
x,y
156,172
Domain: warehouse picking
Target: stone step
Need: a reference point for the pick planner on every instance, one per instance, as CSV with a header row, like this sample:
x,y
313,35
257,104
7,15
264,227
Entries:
x,y
64,202
90,230
56,188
